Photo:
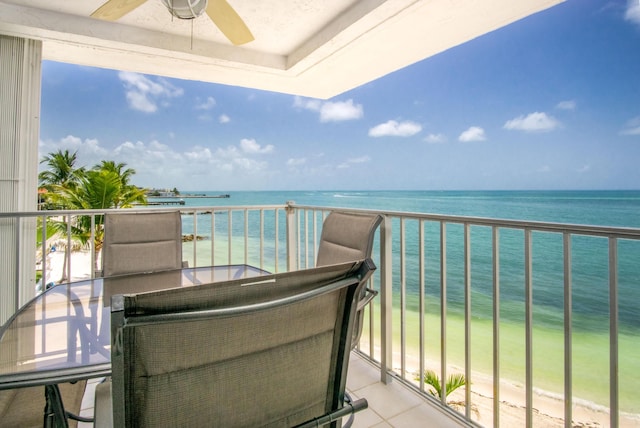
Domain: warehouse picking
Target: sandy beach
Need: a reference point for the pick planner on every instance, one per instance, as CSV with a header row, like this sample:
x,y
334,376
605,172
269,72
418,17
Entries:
x,y
548,409
80,266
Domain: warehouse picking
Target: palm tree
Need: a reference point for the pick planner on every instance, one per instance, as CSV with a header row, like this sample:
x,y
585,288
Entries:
x,y
106,185
99,188
62,171
129,194
454,382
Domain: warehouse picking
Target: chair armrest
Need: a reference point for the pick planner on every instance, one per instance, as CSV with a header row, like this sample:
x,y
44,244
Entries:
x,y
369,294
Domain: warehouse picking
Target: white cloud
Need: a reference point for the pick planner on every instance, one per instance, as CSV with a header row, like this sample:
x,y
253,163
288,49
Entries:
x,y
435,138
89,150
252,147
566,105
199,153
145,94
633,11
474,133
208,104
296,161
534,122
393,128
584,168
352,161
361,159
307,103
223,118
340,110
330,111
632,127
158,165
250,165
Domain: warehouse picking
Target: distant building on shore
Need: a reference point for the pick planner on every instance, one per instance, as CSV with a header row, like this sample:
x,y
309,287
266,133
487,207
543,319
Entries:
x,y
163,193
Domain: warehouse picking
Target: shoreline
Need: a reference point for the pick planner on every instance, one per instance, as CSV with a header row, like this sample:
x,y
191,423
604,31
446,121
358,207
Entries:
x,y
548,407
224,196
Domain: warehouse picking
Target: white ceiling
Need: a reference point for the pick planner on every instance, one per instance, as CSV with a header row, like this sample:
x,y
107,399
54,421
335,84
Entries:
x,y
316,48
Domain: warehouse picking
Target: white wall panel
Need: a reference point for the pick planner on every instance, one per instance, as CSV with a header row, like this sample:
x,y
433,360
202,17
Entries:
x,y
20,78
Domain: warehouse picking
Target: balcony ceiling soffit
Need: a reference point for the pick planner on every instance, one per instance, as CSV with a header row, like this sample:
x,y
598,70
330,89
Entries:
x,y
316,48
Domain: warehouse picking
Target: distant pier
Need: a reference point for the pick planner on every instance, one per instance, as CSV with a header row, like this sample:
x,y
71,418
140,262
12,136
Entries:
x,y
181,202
179,199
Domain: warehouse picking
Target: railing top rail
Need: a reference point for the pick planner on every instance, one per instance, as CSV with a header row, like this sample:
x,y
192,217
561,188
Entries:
x,y
183,209
594,230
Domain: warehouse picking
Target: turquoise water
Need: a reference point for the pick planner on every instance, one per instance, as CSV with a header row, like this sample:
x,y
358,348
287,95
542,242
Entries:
x,y
590,278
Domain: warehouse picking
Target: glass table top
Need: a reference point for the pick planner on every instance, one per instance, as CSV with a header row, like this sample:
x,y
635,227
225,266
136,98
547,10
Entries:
x,y
63,334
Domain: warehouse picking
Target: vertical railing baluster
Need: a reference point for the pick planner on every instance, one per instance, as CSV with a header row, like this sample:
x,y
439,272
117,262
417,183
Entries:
x,y
277,238
306,238
315,236
386,301
213,237
613,332
421,300
528,275
568,335
246,236
299,239
403,300
67,254
195,238
230,235
495,246
43,247
292,239
92,245
261,238
18,291
372,325
467,319
443,310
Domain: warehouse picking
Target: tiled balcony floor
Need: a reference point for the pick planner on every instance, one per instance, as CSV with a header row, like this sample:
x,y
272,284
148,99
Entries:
x,y
391,405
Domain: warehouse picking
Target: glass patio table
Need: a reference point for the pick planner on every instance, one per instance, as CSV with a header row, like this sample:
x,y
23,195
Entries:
x,y
63,335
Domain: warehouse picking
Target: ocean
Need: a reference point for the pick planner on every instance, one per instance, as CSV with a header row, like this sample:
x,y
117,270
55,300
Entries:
x,y
589,278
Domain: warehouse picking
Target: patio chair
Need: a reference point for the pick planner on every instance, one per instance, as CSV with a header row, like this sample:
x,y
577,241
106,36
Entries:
x,y
347,237
141,242
258,352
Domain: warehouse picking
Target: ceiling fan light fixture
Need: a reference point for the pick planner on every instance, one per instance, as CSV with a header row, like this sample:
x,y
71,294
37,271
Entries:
x,y
186,9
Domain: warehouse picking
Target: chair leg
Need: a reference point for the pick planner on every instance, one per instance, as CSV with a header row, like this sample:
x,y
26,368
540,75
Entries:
x,y
54,414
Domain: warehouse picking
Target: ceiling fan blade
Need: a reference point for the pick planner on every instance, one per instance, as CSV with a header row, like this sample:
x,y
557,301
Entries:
x,y
229,22
116,9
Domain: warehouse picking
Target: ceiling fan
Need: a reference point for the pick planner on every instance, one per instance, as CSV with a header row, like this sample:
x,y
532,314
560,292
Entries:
x,y
219,11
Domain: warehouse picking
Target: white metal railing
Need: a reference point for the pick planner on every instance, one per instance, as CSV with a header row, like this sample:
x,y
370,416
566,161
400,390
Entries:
x,y
450,280
414,249
220,235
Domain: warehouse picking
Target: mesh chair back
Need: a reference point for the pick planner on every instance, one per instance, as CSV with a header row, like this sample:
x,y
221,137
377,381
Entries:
x,y
141,242
346,237
269,351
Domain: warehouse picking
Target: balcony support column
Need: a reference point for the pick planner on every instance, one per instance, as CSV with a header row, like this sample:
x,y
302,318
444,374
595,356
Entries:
x,y
20,79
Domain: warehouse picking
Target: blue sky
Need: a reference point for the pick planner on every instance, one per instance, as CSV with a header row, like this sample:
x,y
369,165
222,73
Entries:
x,y
549,102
